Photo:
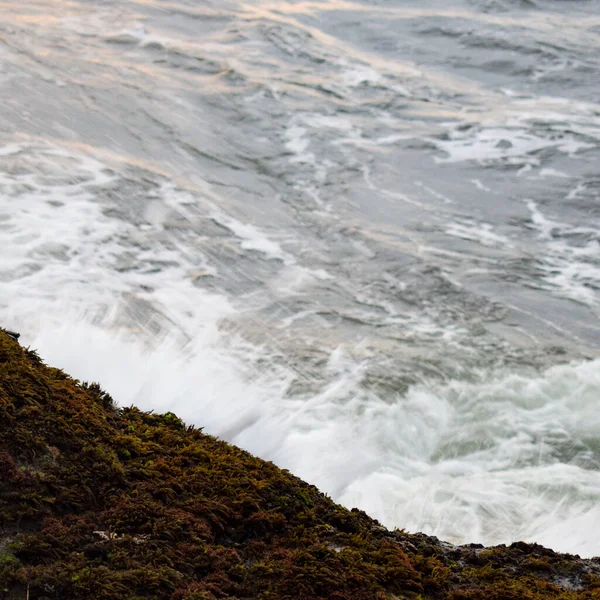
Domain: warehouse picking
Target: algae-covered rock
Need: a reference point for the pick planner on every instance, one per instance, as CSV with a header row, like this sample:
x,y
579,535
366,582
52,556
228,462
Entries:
x,y
105,503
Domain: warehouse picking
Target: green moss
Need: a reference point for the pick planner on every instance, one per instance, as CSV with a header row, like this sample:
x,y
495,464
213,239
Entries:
x,y
114,503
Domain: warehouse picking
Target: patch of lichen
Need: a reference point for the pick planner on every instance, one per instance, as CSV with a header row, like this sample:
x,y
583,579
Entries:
x,y
114,503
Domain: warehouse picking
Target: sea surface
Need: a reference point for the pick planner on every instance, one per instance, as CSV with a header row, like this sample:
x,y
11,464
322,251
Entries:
x,y
359,239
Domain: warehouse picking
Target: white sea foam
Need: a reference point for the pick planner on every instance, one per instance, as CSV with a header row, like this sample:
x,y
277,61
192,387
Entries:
x,y
508,135
298,143
62,241
487,459
553,173
507,142
298,137
355,74
480,186
130,35
478,232
252,238
571,269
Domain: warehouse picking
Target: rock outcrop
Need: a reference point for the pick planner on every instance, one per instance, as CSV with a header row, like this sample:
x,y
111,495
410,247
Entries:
x,y
99,502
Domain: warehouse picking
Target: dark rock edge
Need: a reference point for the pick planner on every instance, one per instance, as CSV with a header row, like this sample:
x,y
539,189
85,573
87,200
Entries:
x,y
99,502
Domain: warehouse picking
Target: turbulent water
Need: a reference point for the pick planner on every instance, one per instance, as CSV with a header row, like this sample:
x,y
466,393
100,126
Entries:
x,y
360,239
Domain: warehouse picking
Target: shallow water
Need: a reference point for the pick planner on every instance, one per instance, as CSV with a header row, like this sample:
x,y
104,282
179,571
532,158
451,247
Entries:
x,y
358,239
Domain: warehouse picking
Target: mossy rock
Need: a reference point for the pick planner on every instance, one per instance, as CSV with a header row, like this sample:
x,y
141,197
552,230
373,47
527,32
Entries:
x,y
105,503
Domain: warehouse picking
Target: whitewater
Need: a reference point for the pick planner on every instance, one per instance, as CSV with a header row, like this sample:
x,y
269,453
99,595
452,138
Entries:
x,y
358,239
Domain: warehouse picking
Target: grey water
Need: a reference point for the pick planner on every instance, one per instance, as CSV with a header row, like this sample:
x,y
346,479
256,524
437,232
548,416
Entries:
x,y
360,239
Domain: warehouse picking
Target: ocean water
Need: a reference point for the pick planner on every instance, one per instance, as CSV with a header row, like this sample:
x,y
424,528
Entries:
x,y
359,239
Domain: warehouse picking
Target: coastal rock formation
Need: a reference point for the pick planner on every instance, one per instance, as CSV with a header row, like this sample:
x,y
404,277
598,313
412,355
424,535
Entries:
x,y
99,502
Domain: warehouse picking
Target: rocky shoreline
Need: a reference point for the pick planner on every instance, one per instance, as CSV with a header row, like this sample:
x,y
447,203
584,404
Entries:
x,y
107,503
